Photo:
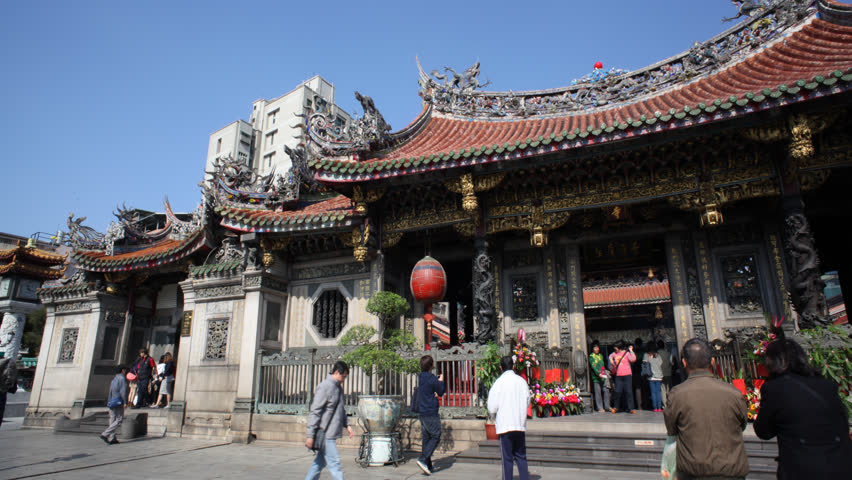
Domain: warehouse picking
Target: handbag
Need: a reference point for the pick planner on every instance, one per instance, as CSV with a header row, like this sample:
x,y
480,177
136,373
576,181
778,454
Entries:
x,y
646,370
115,402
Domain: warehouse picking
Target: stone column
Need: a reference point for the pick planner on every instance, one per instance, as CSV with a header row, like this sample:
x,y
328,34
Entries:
x,y
46,350
483,293
712,309
806,286
551,305
577,318
677,285
250,344
174,424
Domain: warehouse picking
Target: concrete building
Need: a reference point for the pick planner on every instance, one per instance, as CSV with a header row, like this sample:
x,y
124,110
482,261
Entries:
x,y
259,143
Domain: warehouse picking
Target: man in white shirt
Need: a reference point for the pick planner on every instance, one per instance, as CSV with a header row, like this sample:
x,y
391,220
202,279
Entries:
x,y
509,398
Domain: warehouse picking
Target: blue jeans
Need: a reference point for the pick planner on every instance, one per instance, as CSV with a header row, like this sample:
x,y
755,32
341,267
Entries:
x,y
656,396
623,391
329,457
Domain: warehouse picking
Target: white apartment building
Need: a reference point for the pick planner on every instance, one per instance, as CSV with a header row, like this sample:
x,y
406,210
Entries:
x,y
273,124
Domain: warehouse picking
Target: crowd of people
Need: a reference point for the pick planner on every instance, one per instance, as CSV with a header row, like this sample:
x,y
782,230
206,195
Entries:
x,y
634,376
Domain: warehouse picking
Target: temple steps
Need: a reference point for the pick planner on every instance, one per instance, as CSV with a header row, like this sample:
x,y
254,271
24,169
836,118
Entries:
x,y
610,451
135,424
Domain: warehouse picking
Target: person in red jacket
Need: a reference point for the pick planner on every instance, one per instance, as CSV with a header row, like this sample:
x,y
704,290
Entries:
x,y
620,361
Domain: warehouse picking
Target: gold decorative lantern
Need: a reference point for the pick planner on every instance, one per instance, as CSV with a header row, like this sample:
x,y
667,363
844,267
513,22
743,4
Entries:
x,y
711,216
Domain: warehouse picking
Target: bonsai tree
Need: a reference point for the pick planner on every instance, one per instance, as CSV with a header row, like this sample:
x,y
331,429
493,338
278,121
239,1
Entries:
x,y
388,306
380,354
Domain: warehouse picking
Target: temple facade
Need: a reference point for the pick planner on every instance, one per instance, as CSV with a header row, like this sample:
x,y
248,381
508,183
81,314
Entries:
x,y
691,198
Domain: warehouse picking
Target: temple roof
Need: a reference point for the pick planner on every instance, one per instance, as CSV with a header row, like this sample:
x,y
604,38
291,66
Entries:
x,y
639,294
160,253
730,76
32,262
333,212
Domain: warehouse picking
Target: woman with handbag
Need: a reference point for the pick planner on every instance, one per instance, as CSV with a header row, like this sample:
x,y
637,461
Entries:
x,y
620,361
116,402
599,376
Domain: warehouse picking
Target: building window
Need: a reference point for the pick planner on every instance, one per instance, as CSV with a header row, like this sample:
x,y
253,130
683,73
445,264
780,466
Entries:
x,y
68,345
109,343
268,158
270,138
331,311
272,328
524,298
272,117
217,339
218,145
742,289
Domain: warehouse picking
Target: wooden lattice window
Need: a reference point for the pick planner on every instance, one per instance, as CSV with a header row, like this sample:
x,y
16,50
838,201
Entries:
x,y
331,311
742,289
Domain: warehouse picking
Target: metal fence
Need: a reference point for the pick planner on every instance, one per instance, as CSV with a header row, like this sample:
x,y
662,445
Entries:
x,y
286,380
730,359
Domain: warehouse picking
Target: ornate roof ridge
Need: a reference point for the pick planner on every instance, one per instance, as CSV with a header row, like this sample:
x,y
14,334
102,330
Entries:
x,y
460,97
36,254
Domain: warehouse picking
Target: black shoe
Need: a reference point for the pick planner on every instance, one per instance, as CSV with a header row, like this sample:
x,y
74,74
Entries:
x,y
105,439
114,441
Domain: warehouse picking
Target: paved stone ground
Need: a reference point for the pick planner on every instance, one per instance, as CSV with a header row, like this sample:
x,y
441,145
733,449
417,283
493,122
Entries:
x,y
41,454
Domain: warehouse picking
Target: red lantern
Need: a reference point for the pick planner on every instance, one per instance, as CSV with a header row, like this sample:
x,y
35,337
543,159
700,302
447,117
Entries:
x,y
428,285
428,281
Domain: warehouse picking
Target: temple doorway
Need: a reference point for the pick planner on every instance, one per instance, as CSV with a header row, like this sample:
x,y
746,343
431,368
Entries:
x,y
626,294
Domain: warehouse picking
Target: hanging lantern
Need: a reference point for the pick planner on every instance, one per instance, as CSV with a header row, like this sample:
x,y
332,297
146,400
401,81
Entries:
x,y
428,285
711,216
428,281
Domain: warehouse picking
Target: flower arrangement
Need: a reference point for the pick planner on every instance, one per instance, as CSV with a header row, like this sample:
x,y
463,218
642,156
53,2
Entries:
x,y
554,399
523,355
753,399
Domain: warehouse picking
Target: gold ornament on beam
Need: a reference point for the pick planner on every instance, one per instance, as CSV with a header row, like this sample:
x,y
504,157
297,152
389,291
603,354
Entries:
x,y
711,216
361,198
359,240
801,134
269,246
391,239
469,186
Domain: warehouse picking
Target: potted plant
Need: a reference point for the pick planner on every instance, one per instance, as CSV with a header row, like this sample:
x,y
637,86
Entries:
x,y
379,354
487,372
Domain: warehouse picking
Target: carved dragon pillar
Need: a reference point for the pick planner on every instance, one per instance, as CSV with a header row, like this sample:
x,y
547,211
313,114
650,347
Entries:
x,y
484,313
806,286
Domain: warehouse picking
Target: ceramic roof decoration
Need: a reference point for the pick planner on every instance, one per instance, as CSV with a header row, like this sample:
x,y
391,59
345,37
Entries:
x,y
787,55
338,211
32,261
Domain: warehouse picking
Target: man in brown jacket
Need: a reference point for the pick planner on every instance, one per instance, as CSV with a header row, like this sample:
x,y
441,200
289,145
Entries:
x,y
708,417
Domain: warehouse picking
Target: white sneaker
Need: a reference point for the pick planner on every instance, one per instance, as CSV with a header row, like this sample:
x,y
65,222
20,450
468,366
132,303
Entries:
x,y
424,467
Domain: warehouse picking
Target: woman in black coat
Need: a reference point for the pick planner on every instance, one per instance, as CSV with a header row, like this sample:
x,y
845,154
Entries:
x,y
804,411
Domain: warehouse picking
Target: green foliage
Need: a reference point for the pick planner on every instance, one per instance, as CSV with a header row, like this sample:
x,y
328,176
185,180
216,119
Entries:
x,y
830,350
387,306
33,331
380,357
488,366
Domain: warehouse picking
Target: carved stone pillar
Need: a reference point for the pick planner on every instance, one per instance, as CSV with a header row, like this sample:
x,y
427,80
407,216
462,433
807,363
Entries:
x,y
712,314
577,318
677,285
806,287
483,293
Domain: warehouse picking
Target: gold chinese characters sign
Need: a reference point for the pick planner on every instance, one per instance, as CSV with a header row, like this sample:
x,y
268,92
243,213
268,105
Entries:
x,y
186,324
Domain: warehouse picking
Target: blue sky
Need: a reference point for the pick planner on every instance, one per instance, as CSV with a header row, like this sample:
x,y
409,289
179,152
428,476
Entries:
x,y
104,103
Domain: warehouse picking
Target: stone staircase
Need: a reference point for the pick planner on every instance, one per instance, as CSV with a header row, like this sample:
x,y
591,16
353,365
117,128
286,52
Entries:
x,y
137,423
608,449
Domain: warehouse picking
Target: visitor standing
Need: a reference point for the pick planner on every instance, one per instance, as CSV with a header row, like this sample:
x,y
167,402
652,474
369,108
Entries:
x,y
117,402
508,400
326,422
144,369
167,380
804,411
429,389
599,376
708,417
655,381
8,381
639,382
620,361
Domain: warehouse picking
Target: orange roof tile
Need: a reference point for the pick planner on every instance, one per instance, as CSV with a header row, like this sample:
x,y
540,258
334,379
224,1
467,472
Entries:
x,y
647,293
336,211
160,253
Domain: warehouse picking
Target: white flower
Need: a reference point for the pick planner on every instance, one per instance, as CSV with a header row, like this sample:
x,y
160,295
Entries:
x,y
514,358
528,363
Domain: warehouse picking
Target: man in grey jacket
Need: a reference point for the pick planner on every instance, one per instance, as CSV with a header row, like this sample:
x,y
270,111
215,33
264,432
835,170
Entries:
x,y
328,413
117,389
